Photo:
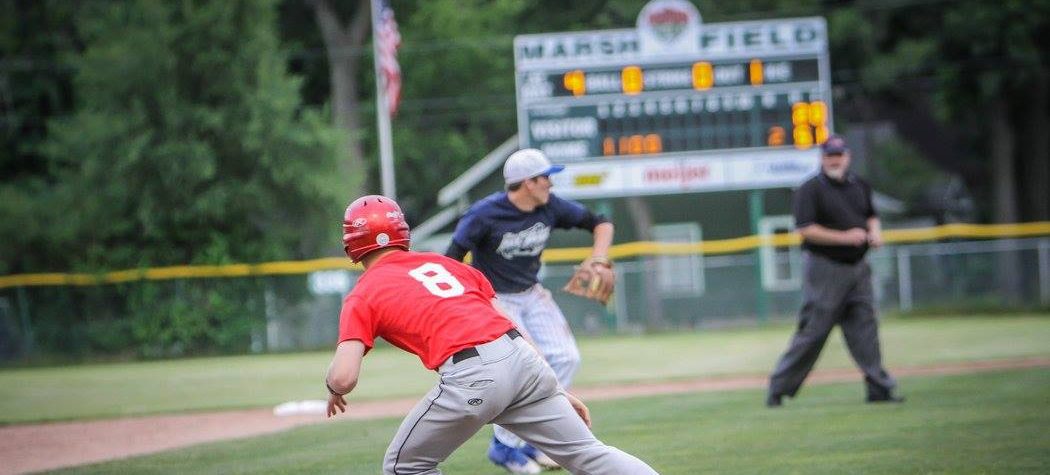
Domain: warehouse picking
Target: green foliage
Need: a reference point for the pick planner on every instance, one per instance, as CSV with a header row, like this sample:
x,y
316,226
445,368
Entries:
x,y
25,234
904,173
189,144
968,65
34,86
192,317
471,82
908,59
150,319
991,52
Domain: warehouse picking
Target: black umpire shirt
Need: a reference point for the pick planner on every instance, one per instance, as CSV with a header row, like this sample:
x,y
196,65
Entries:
x,y
838,205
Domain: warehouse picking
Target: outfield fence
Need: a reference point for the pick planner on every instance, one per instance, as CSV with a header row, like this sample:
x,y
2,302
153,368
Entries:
x,y
288,306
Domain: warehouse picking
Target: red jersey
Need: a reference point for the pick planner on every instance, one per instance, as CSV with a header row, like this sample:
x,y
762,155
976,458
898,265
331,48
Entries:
x,y
424,303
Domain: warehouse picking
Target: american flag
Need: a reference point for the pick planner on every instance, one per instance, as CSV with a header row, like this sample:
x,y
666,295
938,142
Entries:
x,y
388,40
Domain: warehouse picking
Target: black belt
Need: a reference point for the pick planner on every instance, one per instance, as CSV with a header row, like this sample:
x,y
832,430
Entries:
x,y
467,353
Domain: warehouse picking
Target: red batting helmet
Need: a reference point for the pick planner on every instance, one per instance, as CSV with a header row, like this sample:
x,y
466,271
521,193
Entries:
x,y
373,222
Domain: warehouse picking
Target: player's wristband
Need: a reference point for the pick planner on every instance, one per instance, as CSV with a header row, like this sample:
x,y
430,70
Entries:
x,y
603,261
332,391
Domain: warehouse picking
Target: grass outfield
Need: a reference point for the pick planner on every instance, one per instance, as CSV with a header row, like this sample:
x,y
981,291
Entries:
x,y
985,423
113,390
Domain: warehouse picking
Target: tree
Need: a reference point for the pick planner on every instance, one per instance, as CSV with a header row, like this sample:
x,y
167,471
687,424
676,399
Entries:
x,y
34,86
341,45
978,70
995,76
189,143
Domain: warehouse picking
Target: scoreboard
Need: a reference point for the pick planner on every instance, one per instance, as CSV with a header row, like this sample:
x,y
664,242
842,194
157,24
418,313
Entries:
x,y
705,107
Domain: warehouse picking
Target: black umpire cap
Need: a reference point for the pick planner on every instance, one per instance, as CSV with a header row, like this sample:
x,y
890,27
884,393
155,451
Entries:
x,y
835,145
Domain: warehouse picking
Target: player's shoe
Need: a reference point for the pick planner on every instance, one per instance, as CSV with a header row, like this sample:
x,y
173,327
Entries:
x,y
541,458
512,459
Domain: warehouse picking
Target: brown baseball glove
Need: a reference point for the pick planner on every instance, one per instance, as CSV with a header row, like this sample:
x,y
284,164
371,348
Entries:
x,y
594,279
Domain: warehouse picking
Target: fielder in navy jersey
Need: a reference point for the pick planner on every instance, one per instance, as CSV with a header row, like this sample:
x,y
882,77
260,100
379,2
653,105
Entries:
x,y
506,233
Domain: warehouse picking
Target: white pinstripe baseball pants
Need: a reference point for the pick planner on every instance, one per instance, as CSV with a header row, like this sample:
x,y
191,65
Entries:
x,y
535,313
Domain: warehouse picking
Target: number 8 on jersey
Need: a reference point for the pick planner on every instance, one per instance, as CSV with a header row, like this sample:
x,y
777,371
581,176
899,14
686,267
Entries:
x,y
437,280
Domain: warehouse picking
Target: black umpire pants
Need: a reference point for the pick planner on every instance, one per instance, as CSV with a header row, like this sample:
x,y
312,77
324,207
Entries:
x,y
834,293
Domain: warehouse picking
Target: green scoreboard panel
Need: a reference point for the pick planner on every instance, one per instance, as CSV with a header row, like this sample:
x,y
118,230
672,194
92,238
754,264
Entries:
x,y
678,112
726,94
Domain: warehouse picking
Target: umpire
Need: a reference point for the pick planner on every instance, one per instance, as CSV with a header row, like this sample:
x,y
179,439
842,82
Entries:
x,y
835,216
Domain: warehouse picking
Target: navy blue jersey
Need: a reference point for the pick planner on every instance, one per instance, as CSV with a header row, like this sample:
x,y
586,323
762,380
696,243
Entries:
x,y
506,242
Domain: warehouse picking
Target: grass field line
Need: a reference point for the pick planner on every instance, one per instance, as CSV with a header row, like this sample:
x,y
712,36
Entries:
x,y
46,446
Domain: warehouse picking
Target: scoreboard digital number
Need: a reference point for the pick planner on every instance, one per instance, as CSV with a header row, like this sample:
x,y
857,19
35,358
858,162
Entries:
x,y
636,110
591,96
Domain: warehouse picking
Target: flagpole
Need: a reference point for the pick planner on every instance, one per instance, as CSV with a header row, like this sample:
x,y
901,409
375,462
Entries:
x,y
386,147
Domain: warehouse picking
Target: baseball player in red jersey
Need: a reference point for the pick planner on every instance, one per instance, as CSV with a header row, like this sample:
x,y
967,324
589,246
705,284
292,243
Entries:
x,y
445,313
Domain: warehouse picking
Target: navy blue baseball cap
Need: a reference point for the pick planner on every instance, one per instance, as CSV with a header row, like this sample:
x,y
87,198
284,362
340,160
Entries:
x,y
835,145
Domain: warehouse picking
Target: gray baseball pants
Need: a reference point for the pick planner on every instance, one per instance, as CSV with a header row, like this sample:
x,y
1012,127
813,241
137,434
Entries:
x,y
834,293
509,384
